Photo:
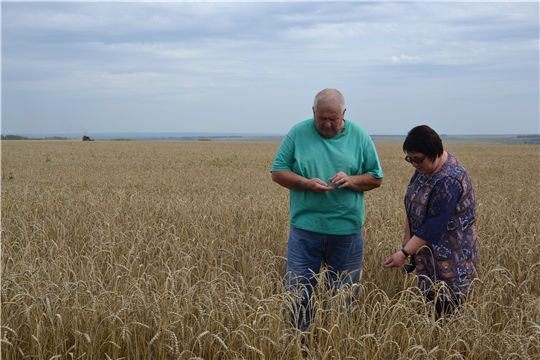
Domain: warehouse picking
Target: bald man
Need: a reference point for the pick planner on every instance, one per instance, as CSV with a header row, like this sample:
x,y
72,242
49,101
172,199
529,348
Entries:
x,y
327,163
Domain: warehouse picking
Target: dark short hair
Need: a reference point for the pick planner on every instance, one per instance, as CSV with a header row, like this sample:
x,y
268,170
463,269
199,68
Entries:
x,y
424,140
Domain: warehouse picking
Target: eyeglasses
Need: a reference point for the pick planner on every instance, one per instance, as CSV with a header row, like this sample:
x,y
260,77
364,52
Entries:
x,y
416,161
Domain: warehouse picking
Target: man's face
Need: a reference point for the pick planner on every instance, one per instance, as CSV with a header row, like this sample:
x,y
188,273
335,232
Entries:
x,y
329,118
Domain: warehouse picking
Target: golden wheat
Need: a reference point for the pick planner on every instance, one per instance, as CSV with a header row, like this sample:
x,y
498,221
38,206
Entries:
x,y
176,250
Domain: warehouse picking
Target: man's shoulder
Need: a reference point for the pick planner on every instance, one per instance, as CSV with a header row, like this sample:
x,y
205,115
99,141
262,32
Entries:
x,y
305,124
356,127
357,131
302,127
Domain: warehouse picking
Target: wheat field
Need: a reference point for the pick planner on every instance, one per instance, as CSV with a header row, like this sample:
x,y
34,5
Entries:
x,y
176,250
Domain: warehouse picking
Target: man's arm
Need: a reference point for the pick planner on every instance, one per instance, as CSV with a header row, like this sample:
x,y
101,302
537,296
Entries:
x,y
293,181
364,182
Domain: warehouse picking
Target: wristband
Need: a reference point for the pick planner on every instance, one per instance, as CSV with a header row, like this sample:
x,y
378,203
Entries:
x,y
405,253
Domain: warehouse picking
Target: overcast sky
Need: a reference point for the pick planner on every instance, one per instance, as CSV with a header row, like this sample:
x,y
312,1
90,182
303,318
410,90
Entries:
x,y
254,67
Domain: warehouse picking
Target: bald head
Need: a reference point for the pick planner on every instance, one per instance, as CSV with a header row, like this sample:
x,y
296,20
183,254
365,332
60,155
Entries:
x,y
329,95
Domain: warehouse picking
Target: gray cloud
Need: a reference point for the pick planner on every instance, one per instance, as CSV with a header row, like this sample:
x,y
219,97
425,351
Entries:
x,y
255,67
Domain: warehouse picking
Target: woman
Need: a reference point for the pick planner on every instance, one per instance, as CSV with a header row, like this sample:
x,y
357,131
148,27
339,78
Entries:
x,y
440,231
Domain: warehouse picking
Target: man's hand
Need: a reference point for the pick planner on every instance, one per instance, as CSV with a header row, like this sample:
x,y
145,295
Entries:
x,y
364,182
293,181
319,186
340,180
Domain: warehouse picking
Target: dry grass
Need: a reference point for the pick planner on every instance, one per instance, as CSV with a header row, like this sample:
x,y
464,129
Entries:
x,y
175,250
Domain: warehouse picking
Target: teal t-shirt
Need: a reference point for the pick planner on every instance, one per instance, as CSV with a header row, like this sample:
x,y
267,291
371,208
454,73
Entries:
x,y
307,153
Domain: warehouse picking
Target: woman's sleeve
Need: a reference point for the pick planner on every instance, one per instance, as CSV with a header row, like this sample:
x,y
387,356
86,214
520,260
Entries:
x,y
442,203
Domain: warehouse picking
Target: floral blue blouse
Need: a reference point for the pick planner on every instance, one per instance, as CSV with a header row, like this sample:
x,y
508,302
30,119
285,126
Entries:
x,y
441,210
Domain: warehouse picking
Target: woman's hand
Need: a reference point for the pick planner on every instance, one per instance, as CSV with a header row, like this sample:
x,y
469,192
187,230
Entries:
x,y
397,259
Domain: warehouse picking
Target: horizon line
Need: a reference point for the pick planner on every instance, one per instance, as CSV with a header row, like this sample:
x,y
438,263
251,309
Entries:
x,y
236,134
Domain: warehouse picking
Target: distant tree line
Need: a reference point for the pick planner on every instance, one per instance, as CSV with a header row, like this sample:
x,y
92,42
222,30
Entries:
x,y
14,137
19,137
530,139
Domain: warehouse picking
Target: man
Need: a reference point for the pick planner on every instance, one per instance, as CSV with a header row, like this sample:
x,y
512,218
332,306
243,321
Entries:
x,y
327,163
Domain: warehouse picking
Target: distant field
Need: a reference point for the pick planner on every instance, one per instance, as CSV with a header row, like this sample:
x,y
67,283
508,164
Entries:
x,y
448,139
176,250
472,139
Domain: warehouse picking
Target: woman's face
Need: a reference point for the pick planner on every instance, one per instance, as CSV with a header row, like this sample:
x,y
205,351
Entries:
x,y
421,162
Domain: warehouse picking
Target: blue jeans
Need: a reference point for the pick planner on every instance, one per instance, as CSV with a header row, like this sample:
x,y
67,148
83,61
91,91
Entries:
x,y
307,251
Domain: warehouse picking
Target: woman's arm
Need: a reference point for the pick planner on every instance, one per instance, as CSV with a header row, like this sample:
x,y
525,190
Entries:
x,y
406,234
398,258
